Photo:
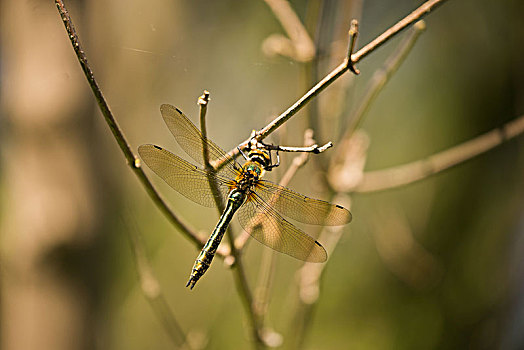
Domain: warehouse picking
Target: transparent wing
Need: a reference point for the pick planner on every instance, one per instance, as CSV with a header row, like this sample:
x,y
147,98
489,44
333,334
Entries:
x,y
184,177
268,227
301,208
191,140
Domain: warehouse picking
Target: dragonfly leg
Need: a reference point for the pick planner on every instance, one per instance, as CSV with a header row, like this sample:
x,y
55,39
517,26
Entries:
x,y
242,153
273,165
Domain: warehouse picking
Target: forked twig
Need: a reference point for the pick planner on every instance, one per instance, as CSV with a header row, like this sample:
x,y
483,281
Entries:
x,y
353,33
414,16
263,288
382,76
298,162
234,260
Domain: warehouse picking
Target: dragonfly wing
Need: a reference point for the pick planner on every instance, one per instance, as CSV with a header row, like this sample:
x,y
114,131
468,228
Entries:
x,y
184,177
191,139
301,208
269,228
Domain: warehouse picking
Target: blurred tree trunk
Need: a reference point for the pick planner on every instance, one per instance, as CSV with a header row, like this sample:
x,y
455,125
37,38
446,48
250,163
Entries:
x,y
48,203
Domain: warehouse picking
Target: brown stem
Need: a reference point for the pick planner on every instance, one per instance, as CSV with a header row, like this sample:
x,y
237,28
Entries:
x,y
132,160
299,46
402,175
382,76
414,16
246,295
234,259
202,103
353,34
304,149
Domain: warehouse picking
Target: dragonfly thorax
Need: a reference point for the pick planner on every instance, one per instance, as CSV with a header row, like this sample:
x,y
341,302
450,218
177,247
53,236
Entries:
x,y
248,177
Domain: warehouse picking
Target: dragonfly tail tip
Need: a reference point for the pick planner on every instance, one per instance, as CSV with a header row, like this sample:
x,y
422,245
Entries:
x,y
191,283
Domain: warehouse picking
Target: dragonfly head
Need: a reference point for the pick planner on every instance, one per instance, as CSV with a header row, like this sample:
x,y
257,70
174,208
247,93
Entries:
x,y
261,157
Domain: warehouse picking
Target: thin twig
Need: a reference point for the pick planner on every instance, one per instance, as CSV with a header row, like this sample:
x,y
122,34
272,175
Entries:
x,y
202,102
316,149
244,291
262,296
260,305
414,16
246,296
234,260
298,162
299,46
152,291
343,67
132,160
382,76
353,34
402,175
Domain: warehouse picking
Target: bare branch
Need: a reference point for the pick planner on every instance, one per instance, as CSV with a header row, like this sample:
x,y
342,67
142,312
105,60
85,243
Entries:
x,y
202,102
305,149
353,33
382,76
256,307
245,293
246,296
401,175
343,67
414,16
299,46
132,160
234,260
260,304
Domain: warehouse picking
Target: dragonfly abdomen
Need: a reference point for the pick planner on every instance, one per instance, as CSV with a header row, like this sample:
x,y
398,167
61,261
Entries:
x,y
204,259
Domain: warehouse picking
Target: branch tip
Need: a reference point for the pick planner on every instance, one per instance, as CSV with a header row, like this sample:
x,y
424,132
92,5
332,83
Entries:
x,y
323,148
353,34
420,25
229,260
203,99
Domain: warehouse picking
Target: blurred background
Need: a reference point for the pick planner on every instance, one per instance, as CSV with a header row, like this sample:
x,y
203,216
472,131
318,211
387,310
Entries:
x,y
432,265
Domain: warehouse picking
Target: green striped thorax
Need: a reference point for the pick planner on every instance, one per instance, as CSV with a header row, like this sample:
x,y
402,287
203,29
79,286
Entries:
x,y
253,170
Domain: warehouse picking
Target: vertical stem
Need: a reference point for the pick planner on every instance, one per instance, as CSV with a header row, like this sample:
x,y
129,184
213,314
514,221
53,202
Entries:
x,y
202,102
131,158
238,267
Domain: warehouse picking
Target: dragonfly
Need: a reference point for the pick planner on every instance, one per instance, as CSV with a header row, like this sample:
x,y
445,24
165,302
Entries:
x,y
259,204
